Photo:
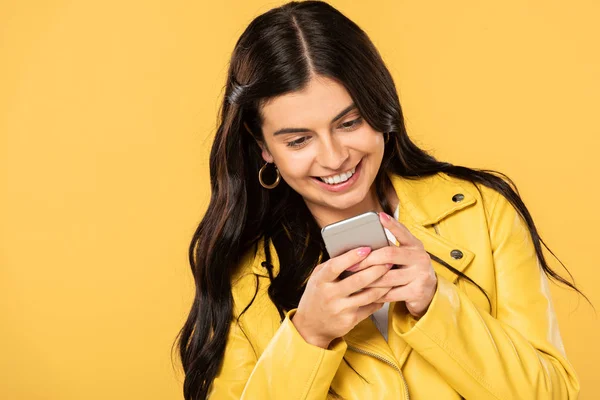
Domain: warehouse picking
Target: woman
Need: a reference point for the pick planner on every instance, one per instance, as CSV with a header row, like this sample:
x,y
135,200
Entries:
x,y
312,132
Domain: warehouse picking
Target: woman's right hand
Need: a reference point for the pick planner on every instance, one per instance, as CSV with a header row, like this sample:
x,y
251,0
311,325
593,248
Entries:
x,y
330,307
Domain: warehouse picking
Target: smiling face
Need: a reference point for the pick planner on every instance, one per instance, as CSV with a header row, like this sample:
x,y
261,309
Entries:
x,y
328,140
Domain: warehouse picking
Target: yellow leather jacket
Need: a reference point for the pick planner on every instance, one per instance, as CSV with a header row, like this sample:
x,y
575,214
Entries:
x,y
461,347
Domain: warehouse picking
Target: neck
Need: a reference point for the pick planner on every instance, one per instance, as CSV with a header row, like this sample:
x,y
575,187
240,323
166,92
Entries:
x,y
325,215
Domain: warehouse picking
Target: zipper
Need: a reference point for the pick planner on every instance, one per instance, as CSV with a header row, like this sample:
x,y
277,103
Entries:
x,y
388,362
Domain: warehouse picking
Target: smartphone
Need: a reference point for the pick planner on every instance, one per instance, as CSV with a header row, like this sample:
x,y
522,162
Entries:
x,y
362,230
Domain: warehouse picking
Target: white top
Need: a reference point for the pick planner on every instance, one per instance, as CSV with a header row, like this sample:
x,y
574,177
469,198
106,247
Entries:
x,y
380,317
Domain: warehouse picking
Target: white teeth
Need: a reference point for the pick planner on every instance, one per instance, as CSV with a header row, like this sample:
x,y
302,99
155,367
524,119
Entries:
x,y
343,177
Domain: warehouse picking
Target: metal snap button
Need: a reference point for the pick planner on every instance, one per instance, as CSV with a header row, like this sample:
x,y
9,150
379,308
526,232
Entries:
x,y
456,254
458,197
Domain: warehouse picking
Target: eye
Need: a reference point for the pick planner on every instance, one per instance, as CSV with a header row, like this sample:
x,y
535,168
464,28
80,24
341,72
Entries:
x,y
351,124
297,142
347,126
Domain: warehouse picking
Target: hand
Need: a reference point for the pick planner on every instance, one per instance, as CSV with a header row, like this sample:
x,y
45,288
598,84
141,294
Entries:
x,y
414,281
330,307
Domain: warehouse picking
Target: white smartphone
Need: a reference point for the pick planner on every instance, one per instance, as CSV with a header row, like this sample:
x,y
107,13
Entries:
x,y
362,230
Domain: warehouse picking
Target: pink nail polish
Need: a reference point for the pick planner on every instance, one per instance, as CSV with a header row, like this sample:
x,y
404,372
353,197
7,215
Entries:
x,y
363,251
386,216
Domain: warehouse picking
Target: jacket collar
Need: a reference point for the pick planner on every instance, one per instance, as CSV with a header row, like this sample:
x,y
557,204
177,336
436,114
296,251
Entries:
x,y
424,202
429,199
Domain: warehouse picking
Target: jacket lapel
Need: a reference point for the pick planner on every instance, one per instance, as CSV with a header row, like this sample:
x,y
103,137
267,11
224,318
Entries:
x,y
427,201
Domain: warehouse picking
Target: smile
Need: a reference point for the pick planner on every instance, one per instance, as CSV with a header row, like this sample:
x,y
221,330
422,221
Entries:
x,y
343,177
340,182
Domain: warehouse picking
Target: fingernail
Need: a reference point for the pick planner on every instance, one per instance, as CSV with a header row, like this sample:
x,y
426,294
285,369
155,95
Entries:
x,y
353,268
389,265
363,251
386,216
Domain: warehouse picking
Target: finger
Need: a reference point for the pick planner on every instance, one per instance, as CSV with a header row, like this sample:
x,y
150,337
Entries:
x,y
400,293
401,232
360,279
336,265
318,268
394,277
389,255
365,296
366,310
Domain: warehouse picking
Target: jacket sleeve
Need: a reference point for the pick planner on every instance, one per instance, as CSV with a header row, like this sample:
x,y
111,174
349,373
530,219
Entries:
x,y
516,355
288,368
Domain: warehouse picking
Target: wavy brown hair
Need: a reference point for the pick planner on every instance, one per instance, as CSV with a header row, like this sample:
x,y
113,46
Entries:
x,y
277,54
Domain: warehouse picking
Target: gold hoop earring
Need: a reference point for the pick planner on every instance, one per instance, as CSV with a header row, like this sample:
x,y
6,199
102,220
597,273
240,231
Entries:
x,y
387,137
260,179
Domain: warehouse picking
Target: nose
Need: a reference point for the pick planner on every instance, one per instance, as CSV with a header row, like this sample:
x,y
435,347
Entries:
x,y
332,153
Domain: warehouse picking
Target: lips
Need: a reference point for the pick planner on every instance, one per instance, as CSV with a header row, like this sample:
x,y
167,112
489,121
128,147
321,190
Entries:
x,y
342,186
343,177
356,166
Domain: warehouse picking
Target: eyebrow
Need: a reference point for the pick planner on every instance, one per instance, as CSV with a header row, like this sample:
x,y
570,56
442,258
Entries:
x,y
298,130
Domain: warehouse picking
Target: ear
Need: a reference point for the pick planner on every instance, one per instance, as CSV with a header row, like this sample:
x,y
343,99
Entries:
x,y
266,155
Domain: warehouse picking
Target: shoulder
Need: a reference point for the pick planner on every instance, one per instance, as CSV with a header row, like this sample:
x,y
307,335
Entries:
x,y
499,212
479,190
429,199
487,197
250,278
253,309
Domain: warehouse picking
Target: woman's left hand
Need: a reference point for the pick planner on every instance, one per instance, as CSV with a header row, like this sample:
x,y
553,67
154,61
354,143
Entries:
x,y
414,280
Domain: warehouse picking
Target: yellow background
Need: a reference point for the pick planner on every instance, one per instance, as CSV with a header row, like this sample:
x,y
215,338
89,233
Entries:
x,y
107,112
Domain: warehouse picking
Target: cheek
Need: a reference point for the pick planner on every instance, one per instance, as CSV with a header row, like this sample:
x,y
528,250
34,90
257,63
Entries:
x,y
372,145
377,141
378,144
369,140
294,166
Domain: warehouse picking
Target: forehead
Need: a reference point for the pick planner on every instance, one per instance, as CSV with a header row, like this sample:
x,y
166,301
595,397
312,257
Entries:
x,y
313,106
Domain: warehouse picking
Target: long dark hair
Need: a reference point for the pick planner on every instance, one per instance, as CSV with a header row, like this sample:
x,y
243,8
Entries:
x,y
277,54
